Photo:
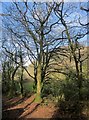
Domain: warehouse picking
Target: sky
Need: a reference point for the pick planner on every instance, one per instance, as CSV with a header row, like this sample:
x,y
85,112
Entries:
x,y
45,0
0,31
84,19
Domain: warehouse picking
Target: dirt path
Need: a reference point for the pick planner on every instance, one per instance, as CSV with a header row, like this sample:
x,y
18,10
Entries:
x,y
18,108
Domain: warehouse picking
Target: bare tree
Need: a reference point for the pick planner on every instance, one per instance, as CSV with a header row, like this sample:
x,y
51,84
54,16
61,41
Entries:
x,y
34,29
42,29
73,40
86,9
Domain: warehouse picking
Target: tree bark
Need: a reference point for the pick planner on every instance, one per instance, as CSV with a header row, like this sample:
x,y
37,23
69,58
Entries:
x,y
38,93
21,83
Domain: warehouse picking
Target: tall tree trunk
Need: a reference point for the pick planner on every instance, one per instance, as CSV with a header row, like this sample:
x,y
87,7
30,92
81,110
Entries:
x,y
88,60
80,77
75,58
38,92
35,77
12,85
13,82
80,81
21,82
12,91
22,69
39,69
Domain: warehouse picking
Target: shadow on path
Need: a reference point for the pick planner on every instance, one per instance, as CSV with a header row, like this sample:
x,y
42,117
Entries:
x,y
15,107
33,109
12,114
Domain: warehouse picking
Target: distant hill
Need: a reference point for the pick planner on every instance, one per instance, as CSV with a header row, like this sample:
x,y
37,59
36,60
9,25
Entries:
x,y
65,65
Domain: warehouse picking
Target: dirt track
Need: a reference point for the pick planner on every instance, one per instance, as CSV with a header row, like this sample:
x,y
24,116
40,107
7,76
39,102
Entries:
x,y
18,108
25,108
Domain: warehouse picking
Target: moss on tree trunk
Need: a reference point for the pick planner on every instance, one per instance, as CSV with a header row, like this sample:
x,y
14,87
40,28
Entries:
x,y
38,92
